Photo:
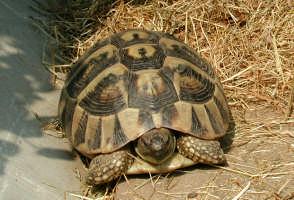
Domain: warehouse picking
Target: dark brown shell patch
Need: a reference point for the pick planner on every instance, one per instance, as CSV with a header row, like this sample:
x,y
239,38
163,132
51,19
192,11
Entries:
x,y
194,87
106,98
214,123
224,112
142,56
119,137
196,127
79,134
95,142
66,116
92,66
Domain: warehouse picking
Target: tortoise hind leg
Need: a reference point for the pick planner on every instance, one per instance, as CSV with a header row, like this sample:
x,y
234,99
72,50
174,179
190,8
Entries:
x,y
58,75
107,167
53,128
201,151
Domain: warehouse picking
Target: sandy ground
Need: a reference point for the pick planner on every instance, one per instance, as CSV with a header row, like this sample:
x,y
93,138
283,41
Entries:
x,y
32,166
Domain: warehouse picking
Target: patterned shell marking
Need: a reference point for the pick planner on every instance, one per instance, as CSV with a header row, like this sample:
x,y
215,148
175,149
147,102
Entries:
x,y
135,81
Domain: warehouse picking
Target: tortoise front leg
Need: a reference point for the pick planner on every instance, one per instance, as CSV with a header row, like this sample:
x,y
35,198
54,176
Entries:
x,y
201,151
107,167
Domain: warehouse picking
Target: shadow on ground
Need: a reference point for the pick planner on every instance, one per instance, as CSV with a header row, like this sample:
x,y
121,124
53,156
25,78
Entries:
x,y
24,80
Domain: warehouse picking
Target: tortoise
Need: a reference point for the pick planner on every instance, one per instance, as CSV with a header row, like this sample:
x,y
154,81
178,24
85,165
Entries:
x,y
143,102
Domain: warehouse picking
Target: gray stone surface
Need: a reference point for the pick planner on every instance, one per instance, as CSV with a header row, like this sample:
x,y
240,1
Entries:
x,y
32,165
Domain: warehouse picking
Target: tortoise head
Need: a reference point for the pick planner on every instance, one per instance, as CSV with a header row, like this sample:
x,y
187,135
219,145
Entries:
x,y
156,145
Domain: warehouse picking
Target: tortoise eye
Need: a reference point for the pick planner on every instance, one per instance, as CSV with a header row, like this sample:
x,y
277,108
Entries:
x,y
112,78
136,36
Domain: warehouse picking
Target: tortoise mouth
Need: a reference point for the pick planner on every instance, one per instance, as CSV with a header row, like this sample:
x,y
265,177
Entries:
x,y
156,146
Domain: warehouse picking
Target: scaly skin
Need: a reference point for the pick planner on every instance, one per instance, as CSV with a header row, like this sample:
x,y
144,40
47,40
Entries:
x,y
107,167
201,151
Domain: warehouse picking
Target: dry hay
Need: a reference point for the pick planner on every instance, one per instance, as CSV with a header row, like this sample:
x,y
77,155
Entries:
x,y
249,43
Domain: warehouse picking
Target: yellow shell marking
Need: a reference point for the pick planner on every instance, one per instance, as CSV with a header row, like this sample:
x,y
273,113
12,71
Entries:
x,y
147,50
129,36
129,122
107,130
149,83
183,121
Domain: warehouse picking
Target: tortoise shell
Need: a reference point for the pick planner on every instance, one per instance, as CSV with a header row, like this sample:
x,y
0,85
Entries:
x,y
135,81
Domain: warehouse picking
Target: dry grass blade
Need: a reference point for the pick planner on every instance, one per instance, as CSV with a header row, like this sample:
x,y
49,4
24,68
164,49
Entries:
x,y
238,196
291,100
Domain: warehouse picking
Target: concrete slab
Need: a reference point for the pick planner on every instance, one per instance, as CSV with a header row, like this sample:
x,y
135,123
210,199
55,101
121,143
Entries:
x,y
32,165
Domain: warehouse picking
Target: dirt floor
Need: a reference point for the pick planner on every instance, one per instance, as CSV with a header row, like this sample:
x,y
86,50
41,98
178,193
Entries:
x,y
251,46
